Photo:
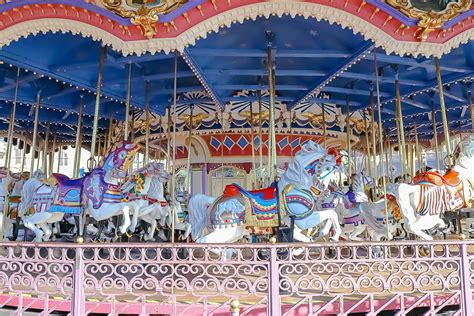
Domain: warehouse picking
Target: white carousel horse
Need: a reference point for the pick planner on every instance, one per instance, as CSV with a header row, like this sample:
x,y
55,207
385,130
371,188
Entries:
x,y
145,188
228,216
432,195
97,194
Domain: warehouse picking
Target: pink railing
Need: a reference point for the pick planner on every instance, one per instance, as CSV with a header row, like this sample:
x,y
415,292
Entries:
x,y
197,279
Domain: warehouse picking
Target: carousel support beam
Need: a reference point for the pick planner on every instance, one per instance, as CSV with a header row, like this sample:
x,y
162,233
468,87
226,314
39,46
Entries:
x,y
357,55
384,184
92,162
127,103
35,132
11,123
77,152
147,122
443,113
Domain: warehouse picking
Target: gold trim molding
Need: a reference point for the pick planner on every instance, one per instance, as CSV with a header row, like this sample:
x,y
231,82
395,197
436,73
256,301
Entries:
x,y
226,19
429,21
145,17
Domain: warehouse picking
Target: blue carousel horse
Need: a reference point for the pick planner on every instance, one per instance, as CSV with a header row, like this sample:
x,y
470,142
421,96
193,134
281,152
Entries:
x,y
97,193
228,216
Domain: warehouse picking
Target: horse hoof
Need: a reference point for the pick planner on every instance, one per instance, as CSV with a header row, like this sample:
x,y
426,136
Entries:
x,y
129,235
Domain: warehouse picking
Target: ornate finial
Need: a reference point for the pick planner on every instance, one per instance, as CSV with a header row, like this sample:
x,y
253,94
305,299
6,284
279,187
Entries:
x,y
235,306
431,15
144,15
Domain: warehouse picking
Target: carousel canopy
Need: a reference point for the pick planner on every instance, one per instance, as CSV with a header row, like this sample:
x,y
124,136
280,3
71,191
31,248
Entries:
x,y
317,57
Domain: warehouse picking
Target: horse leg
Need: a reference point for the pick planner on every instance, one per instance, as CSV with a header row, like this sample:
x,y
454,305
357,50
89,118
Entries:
x,y
126,219
151,230
136,211
47,231
358,230
332,218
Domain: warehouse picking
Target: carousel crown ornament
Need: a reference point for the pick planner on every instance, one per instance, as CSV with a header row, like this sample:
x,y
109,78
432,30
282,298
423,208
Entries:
x,y
143,13
431,15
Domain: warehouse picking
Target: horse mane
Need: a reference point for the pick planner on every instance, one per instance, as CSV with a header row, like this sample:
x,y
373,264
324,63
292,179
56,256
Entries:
x,y
464,152
27,194
296,172
198,214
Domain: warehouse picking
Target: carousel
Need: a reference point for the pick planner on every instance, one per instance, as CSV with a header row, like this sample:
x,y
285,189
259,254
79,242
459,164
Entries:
x,y
204,157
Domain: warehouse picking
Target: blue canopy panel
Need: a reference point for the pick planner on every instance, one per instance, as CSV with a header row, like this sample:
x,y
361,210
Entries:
x,y
311,59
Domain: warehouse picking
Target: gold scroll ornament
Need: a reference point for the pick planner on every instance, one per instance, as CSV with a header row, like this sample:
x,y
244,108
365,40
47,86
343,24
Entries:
x,y
142,13
429,16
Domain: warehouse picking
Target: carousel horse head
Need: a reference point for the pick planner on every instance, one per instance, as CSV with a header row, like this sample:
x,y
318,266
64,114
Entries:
x,y
359,183
119,159
38,174
157,169
464,153
311,160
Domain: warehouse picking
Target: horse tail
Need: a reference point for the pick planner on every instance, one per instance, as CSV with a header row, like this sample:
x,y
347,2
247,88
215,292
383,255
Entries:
x,y
198,213
27,194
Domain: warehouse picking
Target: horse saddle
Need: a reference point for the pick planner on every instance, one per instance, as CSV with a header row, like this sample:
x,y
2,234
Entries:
x,y
451,178
68,195
262,204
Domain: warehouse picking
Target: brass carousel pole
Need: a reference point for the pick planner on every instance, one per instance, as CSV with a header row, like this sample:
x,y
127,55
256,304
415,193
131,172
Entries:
x,y
401,129
11,123
471,106
252,139
51,156
435,135
127,103
323,110
260,133
35,132
60,150
188,162
111,127
78,145
367,145
384,184
443,114
147,122
168,143
173,170
45,150
374,141
222,149
23,158
417,146
92,162
272,164
348,138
